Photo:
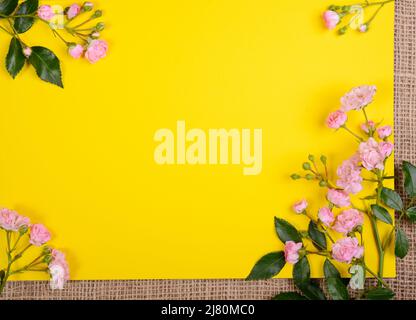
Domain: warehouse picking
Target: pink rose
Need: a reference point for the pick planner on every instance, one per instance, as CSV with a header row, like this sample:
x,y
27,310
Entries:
x,y
349,176
292,251
346,249
76,51
338,197
371,155
347,221
96,50
331,19
358,98
39,235
58,270
73,11
384,132
12,221
336,119
367,126
326,216
386,148
300,207
45,12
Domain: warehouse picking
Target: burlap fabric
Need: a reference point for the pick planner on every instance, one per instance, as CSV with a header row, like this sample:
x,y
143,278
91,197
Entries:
x,y
404,285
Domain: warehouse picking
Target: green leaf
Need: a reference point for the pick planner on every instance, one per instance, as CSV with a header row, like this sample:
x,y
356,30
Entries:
x,y
330,270
312,291
381,213
47,65
402,244
391,199
302,271
318,237
268,266
411,214
286,232
15,59
289,296
7,7
409,172
23,24
379,294
336,287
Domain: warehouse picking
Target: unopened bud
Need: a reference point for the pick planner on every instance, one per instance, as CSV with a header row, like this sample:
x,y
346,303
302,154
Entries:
x,y
295,176
87,6
100,26
306,166
323,159
309,177
97,14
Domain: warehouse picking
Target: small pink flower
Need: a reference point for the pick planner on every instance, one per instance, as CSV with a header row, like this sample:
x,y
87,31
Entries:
x,y
58,270
367,126
358,98
292,251
300,207
326,216
39,235
331,19
386,148
96,50
371,155
12,221
349,174
384,132
73,11
336,119
338,197
27,51
45,12
363,28
76,51
347,221
346,249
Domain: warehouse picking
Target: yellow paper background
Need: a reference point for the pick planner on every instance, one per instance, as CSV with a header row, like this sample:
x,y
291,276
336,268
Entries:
x,y
81,159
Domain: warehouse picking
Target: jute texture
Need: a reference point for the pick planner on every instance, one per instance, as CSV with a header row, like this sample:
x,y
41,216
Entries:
x,y
404,285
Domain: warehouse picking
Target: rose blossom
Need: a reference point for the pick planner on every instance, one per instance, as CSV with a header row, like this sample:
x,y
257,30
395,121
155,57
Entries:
x,y
73,11
300,206
39,235
346,249
358,98
326,216
45,12
384,132
96,50
292,251
349,174
331,19
371,155
367,126
347,221
386,148
27,51
12,221
338,197
58,269
76,51
336,119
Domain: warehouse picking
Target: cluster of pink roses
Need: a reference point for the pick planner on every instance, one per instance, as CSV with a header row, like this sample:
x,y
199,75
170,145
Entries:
x,y
17,227
92,48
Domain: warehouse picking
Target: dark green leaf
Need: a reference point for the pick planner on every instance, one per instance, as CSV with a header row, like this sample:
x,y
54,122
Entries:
x,y
47,65
391,199
289,296
312,291
409,172
330,270
268,266
402,244
7,7
381,213
411,214
302,271
318,237
379,294
2,274
286,232
23,24
15,59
